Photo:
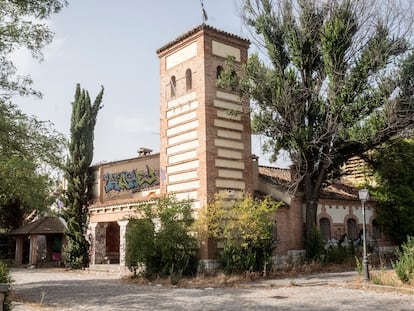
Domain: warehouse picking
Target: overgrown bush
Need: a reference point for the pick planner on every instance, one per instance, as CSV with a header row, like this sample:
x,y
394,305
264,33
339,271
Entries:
x,y
140,245
404,267
236,259
161,242
245,227
340,253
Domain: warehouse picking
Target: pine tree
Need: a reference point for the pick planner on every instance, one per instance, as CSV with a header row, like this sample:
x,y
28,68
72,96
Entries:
x,y
336,82
79,176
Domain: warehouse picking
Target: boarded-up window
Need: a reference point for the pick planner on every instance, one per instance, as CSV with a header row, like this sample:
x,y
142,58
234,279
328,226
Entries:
x,y
352,229
325,228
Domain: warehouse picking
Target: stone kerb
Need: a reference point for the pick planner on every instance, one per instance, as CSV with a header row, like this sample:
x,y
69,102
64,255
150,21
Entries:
x,y
4,289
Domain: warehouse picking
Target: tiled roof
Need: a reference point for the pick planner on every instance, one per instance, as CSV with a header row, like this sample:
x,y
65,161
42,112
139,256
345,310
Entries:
x,y
43,226
282,177
195,30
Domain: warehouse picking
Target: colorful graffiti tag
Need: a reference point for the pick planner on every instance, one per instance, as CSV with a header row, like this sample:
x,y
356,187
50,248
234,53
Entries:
x,y
131,180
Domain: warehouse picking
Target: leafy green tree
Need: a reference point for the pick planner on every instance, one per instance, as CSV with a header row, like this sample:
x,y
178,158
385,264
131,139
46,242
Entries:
x,y
337,80
245,227
29,149
167,248
22,26
79,176
31,154
393,166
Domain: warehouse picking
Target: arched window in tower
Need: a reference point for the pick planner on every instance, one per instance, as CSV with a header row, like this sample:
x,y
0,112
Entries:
x,y
173,86
234,80
325,228
352,229
188,79
219,71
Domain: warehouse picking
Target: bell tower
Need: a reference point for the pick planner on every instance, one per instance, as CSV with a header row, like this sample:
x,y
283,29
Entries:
x,y
205,130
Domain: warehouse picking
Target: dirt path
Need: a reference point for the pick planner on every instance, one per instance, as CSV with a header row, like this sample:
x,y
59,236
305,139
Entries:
x,y
62,290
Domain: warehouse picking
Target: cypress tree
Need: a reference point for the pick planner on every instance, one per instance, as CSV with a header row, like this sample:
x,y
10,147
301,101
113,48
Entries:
x,y
79,176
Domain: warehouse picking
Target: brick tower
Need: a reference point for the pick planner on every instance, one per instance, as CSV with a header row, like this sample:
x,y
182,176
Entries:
x,y
205,131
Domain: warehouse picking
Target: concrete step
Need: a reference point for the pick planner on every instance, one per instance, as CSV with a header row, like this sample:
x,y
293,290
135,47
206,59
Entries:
x,y
113,269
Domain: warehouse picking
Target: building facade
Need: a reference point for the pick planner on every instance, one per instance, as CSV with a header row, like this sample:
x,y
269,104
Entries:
x,y
205,149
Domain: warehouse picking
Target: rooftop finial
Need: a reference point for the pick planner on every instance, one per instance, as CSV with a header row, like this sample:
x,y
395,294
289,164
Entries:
x,y
203,11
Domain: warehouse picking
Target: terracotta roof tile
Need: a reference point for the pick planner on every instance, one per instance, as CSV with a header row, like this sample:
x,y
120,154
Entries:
x,y
43,226
194,31
281,177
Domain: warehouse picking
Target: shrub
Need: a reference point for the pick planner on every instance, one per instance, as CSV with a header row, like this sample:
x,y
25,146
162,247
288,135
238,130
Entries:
x,y
245,227
140,244
404,267
236,259
161,241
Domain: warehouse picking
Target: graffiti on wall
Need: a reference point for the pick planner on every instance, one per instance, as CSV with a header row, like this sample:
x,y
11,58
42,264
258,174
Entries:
x,y
131,180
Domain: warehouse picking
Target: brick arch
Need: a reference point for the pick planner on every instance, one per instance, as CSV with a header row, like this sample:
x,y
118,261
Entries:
x,y
323,215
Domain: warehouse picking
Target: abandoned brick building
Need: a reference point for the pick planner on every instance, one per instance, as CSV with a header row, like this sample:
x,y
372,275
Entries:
x,y
204,150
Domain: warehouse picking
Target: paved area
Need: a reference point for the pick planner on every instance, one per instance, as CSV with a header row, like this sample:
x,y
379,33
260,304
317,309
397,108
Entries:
x,y
51,290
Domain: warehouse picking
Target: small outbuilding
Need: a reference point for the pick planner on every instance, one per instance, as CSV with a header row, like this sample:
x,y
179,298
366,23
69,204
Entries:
x,y
40,241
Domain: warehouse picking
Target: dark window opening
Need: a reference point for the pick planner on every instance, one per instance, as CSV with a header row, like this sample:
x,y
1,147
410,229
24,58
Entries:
x,y
188,80
173,84
376,230
219,71
325,228
352,229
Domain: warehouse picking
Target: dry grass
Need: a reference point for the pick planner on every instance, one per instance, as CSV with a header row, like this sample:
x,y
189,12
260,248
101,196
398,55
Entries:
x,y
388,278
222,280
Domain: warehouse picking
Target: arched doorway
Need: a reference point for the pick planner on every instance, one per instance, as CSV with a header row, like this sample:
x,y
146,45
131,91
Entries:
x,y
112,243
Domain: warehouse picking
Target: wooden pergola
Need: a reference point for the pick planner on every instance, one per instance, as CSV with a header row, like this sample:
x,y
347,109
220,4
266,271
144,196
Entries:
x,y
50,227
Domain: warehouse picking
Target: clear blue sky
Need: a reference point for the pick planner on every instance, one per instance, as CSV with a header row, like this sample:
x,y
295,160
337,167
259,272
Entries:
x,y
114,43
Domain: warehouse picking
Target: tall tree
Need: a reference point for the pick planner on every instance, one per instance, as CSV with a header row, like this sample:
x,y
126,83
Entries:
x,y
79,176
29,149
337,81
393,166
30,153
22,26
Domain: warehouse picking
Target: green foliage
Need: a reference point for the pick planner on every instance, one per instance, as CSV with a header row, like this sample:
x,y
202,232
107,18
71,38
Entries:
x,y
79,177
162,241
22,25
358,265
140,239
4,273
30,155
336,82
393,165
76,251
29,149
404,267
340,254
245,227
314,246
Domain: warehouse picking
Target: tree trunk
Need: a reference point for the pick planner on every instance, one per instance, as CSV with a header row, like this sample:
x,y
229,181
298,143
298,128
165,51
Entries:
x,y
312,188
